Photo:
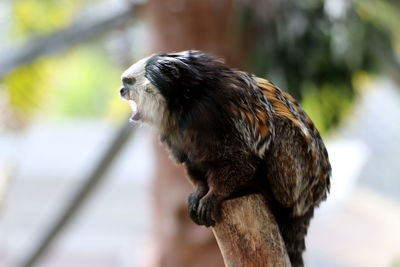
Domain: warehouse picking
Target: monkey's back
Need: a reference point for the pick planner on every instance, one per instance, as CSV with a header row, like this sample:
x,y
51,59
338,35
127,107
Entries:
x,y
295,164
294,169
296,179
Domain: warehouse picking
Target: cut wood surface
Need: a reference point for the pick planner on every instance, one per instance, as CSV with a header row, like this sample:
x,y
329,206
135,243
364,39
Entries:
x,y
248,234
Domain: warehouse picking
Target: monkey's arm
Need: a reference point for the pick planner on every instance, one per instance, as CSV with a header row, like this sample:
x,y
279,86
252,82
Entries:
x,y
199,181
224,178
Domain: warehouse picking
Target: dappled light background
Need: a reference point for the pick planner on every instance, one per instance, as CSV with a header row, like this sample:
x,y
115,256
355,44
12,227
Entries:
x,y
60,114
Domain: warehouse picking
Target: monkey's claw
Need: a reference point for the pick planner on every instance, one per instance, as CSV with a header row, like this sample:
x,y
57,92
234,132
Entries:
x,y
207,211
193,200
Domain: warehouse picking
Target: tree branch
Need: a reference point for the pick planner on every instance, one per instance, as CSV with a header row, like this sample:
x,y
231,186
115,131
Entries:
x,y
82,29
83,193
248,234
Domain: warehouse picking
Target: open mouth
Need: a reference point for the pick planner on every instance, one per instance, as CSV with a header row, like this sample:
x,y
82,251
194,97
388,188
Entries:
x,y
135,112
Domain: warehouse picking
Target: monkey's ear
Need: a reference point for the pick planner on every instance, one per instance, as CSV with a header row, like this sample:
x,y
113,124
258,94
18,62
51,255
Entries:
x,y
170,75
172,70
160,72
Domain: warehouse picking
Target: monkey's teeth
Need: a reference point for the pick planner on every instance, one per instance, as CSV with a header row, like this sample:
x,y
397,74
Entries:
x,y
133,106
135,112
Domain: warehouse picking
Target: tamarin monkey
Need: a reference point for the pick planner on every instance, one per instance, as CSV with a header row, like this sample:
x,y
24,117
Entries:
x,y
235,133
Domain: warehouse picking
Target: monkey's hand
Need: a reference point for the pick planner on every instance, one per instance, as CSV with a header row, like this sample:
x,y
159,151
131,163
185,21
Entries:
x,y
197,202
204,211
193,204
225,178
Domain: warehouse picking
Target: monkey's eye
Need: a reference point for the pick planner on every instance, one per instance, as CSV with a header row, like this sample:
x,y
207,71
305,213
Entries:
x,y
128,80
149,91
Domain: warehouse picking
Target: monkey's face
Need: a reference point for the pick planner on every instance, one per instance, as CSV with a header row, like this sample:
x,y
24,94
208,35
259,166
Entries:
x,y
147,104
163,88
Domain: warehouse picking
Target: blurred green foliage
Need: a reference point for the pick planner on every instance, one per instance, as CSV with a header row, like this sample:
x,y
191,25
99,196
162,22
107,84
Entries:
x,y
26,87
314,49
32,17
383,14
85,84
396,263
79,82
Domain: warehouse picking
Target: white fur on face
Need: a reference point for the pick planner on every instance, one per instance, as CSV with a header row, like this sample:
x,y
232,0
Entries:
x,y
150,104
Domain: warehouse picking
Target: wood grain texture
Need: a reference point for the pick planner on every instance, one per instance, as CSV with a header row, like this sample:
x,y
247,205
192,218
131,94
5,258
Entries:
x,y
248,234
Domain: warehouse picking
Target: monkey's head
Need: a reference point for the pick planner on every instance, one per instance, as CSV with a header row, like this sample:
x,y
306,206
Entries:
x,y
170,85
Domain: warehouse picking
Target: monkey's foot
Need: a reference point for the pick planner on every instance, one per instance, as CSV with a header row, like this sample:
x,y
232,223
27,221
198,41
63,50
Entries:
x,y
208,210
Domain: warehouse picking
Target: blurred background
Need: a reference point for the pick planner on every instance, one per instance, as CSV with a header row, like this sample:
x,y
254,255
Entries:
x,y
81,187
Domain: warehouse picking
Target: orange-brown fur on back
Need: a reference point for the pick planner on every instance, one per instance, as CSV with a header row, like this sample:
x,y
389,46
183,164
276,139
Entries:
x,y
272,93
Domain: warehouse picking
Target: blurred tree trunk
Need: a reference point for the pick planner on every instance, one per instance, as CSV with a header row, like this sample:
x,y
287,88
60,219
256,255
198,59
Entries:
x,y
181,243
182,25
198,24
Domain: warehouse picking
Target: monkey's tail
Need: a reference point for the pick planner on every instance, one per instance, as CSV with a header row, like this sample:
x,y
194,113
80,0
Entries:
x,y
293,231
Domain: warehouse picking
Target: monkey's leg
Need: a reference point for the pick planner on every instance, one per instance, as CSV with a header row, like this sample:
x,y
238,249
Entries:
x,y
293,231
198,179
223,181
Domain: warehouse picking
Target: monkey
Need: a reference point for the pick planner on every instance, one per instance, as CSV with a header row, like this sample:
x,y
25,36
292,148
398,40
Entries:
x,y
235,133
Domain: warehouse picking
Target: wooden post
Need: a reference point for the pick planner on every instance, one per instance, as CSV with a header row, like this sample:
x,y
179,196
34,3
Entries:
x,y
248,234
